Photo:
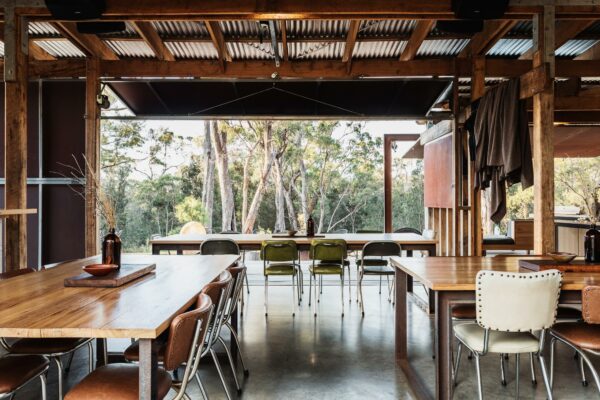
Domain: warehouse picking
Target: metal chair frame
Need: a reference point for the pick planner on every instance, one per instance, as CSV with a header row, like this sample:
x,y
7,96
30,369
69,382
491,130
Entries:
x,y
314,273
297,276
376,249
230,309
43,382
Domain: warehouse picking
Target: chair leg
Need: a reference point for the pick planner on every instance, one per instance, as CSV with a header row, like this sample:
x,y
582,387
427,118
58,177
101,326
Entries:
x,y
349,285
531,365
310,279
592,369
316,305
43,385
552,346
342,287
502,371
239,352
517,365
360,291
220,371
387,277
584,381
246,277
379,284
60,377
232,364
201,386
293,295
266,295
358,299
91,356
479,383
457,364
545,376
320,286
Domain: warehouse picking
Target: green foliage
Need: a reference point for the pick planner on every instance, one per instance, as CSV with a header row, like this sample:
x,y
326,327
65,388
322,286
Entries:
x,y
190,209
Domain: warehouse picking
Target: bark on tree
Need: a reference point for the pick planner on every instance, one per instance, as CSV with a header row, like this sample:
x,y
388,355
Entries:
x,y
246,180
279,197
219,142
290,207
208,189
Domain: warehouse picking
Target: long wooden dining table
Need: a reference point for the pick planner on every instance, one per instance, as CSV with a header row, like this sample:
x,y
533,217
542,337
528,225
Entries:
x,y
180,243
452,281
38,305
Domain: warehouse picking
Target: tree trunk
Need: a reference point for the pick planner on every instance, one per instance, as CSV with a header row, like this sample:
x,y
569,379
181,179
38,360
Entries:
x,y
246,181
291,209
208,189
219,141
279,197
268,158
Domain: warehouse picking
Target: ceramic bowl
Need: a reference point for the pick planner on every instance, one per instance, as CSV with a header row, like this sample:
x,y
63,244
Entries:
x,y
291,232
100,269
562,257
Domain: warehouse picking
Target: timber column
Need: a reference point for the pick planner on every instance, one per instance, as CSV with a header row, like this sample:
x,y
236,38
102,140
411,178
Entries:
x,y
15,136
543,135
92,154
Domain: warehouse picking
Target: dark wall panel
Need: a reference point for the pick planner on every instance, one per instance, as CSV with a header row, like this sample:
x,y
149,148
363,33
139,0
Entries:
x,y
32,224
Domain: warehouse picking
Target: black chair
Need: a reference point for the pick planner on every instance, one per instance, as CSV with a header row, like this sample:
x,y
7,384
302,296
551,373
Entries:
x,y
408,230
372,262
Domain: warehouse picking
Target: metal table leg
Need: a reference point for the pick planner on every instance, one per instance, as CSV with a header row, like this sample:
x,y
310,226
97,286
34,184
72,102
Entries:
x,y
148,370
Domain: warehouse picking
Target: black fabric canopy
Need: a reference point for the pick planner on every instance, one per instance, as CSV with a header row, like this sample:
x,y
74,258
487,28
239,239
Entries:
x,y
398,98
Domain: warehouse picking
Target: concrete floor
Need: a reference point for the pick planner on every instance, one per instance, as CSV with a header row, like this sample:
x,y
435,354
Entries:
x,y
330,357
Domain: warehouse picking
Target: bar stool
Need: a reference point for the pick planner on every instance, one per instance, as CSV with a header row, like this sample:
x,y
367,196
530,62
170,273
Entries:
x,y
510,306
18,371
184,345
331,257
280,258
372,262
583,337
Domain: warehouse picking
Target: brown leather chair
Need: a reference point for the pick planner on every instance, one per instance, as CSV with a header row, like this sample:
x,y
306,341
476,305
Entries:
x,y
583,336
184,344
18,371
239,274
53,348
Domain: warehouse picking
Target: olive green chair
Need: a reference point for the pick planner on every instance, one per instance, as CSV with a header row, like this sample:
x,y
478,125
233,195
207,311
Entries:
x,y
328,258
280,258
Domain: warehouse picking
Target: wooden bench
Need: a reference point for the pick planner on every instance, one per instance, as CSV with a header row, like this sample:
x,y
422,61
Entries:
x,y
520,237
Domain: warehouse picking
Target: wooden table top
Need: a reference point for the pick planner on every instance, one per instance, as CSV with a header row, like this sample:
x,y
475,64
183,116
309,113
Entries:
x,y
458,273
258,238
38,305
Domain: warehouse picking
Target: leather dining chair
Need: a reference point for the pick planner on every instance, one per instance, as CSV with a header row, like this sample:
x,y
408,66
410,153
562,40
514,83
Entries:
x,y
238,273
18,371
184,344
53,348
510,308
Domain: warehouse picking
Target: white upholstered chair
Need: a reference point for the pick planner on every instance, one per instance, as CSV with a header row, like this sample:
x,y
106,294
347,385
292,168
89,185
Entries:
x,y
511,307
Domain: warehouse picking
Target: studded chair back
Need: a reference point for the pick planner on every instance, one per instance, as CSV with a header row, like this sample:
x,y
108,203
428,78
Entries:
x,y
590,304
186,333
517,302
334,250
279,251
213,247
382,248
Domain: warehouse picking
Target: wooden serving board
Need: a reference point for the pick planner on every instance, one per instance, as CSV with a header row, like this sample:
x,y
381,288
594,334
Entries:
x,y
126,274
573,266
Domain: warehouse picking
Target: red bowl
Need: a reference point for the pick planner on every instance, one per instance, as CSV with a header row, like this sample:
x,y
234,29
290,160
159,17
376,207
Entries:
x,y
100,269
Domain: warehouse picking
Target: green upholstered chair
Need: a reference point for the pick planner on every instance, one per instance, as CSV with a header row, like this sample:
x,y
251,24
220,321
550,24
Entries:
x,y
280,258
328,258
373,261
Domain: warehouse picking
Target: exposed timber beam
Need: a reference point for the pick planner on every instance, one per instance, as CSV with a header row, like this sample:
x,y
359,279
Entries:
x,y
481,42
15,137
350,42
152,39
593,53
284,41
92,153
35,51
544,25
477,91
417,37
565,31
91,45
216,34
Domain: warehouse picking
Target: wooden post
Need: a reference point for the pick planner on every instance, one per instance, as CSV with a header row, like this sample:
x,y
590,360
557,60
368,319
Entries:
x,y
15,136
543,136
92,153
387,183
477,91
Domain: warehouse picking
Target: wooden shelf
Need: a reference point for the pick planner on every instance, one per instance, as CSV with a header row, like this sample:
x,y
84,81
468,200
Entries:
x,y
17,211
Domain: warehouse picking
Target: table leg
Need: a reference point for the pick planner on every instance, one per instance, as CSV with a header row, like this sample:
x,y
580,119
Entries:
x,y
101,352
234,326
148,370
155,249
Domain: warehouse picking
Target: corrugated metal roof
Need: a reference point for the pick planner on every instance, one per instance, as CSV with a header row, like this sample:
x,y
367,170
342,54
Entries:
x,y
194,29
510,47
42,29
383,49
387,27
442,48
130,48
574,48
236,29
60,48
250,51
524,27
197,50
316,51
2,49
317,28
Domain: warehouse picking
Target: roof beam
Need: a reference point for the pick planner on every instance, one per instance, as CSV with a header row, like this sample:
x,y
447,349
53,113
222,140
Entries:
x,y
481,42
216,34
152,39
565,31
350,42
284,40
593,53
89,44
35,51
417,37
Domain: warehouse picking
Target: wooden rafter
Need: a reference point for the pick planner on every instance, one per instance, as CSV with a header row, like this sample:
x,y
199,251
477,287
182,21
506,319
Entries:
x,y
593,53
152,39
284,41
565,31
35,51
350,42
417,37
481,42
216,34
91,45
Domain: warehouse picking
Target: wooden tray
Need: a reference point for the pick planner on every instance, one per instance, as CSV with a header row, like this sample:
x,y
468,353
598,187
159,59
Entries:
x,y
285,235
573,266
126,274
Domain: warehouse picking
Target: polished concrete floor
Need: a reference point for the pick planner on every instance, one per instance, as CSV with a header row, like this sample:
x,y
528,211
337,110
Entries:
x,y
330,357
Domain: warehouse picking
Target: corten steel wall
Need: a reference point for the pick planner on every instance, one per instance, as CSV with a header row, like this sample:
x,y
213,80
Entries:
x,y
56,132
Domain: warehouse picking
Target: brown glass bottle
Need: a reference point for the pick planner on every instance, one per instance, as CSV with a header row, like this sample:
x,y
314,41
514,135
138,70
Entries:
x,y
111,248
310,226
592,245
